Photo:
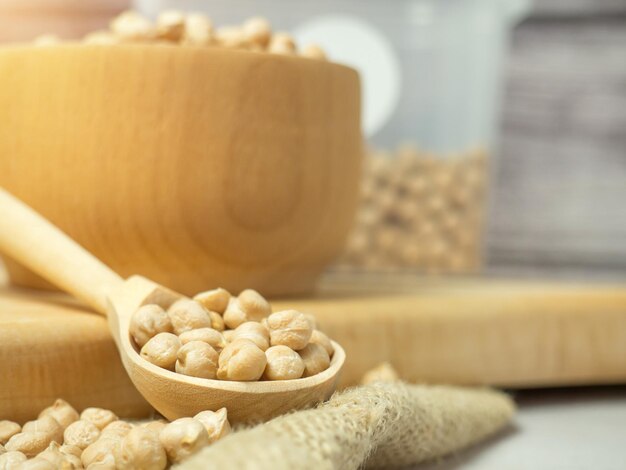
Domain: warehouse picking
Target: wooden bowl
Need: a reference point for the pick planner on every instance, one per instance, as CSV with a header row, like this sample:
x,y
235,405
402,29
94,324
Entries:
x,y
194,167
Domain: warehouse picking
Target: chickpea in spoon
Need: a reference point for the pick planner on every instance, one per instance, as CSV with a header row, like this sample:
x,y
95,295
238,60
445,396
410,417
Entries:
x,y
277,346
33,241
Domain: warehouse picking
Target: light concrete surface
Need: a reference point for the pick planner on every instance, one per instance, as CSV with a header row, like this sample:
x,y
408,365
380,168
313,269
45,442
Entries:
x,y
565,429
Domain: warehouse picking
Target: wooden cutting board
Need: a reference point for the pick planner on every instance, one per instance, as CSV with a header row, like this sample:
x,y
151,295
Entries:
x,y
51,347
509,334
512,334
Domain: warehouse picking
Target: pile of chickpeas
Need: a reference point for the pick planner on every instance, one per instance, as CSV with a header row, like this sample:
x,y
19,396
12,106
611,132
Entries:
x,y
62,439
219,336
194,29
419,211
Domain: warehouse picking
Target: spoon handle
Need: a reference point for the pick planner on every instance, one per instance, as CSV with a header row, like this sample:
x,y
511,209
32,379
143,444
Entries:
x,y
36,243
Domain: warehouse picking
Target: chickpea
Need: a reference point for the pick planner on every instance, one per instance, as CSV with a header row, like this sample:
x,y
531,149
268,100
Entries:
x,y
107,463
231,36
29,443
312,320
241,360
156,426
199,32
183,438
46,424
170,25
36,464
255,332
45,40
8,429
131,26
188,315
104,450
215,422
101,38
67,449
313,51
315,359
282,43
229,336
98,416
116,429
215,300
162,350
197,359
212,337
11,460
62,411
147,322
2,449
58,459
254,305
142,449
257,31
382,373
320,338
217,322
283,363
289,328
412,254
72,462
81,434
234,315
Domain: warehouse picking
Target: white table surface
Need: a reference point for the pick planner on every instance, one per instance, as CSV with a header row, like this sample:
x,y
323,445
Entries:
x,y
565,429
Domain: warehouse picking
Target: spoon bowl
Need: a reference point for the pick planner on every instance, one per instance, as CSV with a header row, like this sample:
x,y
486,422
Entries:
x,y
32,240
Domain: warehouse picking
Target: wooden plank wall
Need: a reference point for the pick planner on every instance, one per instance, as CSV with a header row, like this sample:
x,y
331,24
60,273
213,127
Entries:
x,y
560,196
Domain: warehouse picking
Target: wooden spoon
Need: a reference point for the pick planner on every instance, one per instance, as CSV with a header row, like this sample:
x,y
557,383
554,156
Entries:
x,y
33,241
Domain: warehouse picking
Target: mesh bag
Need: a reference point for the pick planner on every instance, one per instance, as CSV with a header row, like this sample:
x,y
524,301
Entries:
x,y
380,425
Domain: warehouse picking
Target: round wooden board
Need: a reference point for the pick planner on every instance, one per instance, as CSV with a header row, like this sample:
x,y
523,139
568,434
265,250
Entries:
x,y
50,347
512,334
508,334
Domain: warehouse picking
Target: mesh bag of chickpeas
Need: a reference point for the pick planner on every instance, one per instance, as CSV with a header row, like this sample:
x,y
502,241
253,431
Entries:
x,y
419,212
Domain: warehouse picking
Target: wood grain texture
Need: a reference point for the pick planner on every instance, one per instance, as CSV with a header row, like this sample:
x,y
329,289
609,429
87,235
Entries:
x,y
503,333
561,183
51,348
573,8
192,166
38,244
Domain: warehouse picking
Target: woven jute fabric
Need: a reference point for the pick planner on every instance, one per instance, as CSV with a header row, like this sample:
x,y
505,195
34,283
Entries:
x,y
379,425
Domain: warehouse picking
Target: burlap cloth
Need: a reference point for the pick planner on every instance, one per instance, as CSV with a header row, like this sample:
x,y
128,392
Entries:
x,y
380,425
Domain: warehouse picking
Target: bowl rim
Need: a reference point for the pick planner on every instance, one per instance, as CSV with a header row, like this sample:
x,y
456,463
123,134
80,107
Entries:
x,y
165,48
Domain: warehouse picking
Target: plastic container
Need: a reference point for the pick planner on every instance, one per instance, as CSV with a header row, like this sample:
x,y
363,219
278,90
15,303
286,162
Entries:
x,y
431,72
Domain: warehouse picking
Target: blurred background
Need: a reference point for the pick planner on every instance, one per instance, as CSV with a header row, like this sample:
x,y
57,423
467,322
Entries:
x,y
496,145
555,139
563,166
